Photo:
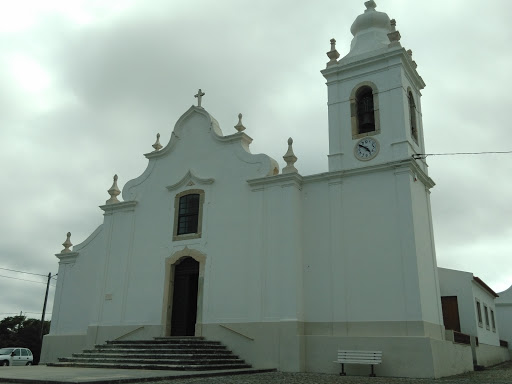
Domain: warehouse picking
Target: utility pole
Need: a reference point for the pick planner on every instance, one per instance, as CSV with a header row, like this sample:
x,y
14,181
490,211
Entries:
x,y
44,305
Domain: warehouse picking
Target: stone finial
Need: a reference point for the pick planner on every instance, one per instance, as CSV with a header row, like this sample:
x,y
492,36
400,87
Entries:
x,y
199,95
370,5
113,192
157,144
414,65
333,54
239,127
67,244
394,35
290,159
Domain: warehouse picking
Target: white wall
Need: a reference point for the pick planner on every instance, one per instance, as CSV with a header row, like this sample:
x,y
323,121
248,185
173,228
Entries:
x,y
458,283
486,334
467,290
504,315
75,305
360,250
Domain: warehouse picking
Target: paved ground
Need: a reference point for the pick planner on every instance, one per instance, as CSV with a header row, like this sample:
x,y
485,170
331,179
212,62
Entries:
x,y
501,374
41,374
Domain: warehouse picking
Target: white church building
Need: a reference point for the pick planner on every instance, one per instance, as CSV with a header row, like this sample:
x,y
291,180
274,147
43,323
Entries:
x,y
283,268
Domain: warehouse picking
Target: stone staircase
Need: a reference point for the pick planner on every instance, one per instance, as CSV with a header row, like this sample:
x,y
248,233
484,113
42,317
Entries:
x,y
166,353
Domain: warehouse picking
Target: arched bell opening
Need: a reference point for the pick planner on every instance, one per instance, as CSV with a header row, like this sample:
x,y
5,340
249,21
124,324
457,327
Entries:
x,y
365,110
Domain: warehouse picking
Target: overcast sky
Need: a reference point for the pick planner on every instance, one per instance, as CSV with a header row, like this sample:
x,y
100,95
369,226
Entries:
x,y
85,86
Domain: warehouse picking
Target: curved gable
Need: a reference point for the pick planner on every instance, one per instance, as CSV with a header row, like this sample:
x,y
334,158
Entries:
x,y
200,133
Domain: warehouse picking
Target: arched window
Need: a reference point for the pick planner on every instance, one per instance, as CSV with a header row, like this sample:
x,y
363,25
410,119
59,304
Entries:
x,y
412,117
365,110
188,212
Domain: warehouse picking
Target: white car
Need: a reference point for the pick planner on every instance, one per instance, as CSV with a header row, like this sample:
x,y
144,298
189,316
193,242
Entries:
x,y
16,356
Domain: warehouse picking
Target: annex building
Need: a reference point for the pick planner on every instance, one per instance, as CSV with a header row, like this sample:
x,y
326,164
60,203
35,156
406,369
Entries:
x,y
283,268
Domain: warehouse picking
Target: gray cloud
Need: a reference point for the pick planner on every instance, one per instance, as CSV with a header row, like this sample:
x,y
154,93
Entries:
x,y
126,75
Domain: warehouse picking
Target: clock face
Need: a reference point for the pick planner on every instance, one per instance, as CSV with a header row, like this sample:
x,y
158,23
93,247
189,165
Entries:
x,y
366,148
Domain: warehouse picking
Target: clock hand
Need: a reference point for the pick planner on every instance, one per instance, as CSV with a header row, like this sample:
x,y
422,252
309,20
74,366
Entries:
x,y
362,146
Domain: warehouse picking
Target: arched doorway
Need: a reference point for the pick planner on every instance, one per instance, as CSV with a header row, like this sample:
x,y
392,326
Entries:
x,y
184,300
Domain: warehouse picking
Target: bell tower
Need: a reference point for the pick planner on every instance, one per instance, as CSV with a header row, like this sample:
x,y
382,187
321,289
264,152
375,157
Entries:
x,y
373,97
383,250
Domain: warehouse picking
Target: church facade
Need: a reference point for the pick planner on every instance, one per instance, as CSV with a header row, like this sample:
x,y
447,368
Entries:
x,y
285,269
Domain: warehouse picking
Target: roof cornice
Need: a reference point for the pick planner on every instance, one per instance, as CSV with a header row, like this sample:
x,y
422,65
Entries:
x,y
485,286
351,64
409,165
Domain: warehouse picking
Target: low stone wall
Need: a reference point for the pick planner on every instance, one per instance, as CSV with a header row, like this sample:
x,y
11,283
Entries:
x,y
487,355
284,346
419,357
61,346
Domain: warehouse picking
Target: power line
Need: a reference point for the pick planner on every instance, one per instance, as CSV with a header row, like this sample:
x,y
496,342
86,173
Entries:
x,y
32,281
16,278
418,156
28,273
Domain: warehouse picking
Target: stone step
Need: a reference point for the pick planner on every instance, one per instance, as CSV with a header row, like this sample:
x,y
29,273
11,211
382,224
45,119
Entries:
x,y
172,353
211,356
146,345
167,341
160,361
150,351
180,367
179,338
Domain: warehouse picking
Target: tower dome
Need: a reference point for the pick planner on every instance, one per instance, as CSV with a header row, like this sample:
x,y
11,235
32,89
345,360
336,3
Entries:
x,y
370,30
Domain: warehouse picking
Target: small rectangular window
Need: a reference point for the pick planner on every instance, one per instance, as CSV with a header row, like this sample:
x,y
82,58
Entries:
x,y
493,321
188,214
486,312
479,313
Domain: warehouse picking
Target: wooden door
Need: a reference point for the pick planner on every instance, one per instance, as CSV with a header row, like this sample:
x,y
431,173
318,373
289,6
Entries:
x,y
451,313
184,301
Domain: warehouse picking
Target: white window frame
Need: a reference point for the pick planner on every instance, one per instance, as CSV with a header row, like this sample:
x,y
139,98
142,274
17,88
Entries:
x,y
493,321
486,313
479,317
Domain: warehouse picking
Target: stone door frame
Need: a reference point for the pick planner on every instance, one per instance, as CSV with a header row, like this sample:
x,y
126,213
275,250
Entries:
x,y
170,264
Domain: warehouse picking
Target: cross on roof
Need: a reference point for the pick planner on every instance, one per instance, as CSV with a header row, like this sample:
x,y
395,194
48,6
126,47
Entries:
x,y
199,95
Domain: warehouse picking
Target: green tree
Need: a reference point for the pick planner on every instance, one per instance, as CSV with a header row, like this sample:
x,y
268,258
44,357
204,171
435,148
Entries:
x,y
18,331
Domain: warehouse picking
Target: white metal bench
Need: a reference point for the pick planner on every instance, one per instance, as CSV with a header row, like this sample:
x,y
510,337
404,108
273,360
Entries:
x,y
358,357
